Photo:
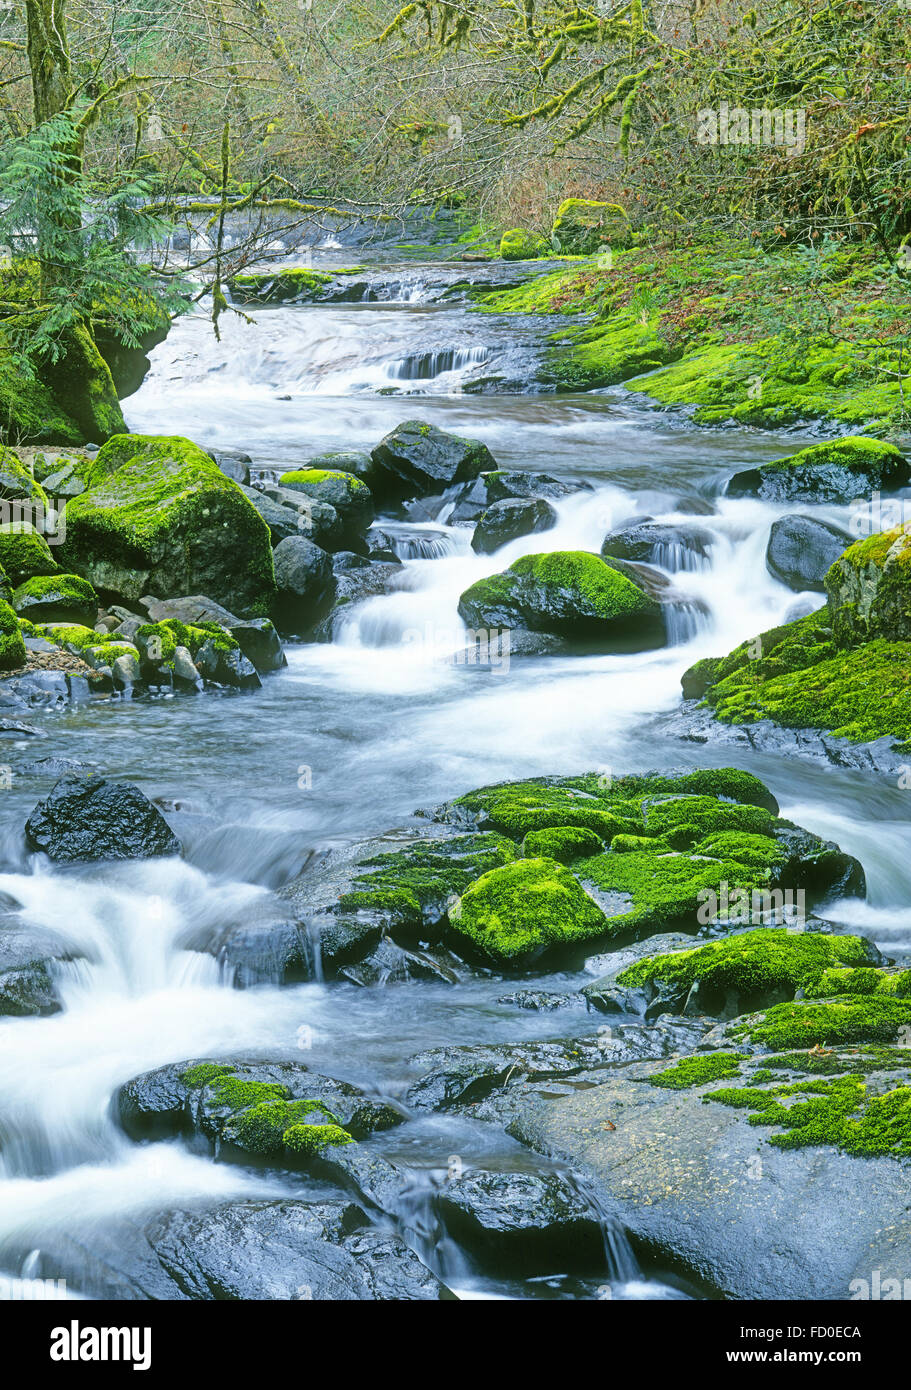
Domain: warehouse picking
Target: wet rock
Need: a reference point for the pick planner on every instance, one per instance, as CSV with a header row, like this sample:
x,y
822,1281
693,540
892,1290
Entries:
x,y
303,574
28,984
672,546
257,638
392,964
352,586
286,1250
802,549
523,1222
568,593
506,483
87,818
416,459
233,463
350,497
505,521
836,472
226,667
177,1099
539,1000
699,1186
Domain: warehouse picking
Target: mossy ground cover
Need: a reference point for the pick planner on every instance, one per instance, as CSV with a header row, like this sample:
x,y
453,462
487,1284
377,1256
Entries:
x,y
844,1112
743,333
412,883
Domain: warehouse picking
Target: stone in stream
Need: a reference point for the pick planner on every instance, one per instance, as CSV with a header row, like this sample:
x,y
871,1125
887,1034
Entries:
x,y
256,637
158,516
802,549
869,592
56,598
303,574
568,593
521,1222
836,472
696,1162
24,552
288,1250
416,459
249,1107
673,546
354,584
28,977
506,521
349,496
473,498
87,818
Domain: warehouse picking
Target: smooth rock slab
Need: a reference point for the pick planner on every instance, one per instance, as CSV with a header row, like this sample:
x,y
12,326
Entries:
x,y
87,818
697,1185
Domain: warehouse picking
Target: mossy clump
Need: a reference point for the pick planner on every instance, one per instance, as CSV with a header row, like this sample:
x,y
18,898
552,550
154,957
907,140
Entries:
x,y
861,980
696,1071
12,643
413,885
278,287
569,592
835,471
264,1120
513,914
520,245
561,842
583,225
841,1112
847,1019
350,497
203,1073
24,552
753,961
310,1139
17,482
57,598
158,516
869,590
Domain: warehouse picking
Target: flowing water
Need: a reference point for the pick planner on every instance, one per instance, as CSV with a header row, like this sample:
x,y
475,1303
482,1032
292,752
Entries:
x,y
347,741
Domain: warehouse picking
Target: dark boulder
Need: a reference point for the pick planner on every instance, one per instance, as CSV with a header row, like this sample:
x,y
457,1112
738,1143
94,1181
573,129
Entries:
x,y
416,459
507,520
86,818
522,1222
303,574
802,549
673,547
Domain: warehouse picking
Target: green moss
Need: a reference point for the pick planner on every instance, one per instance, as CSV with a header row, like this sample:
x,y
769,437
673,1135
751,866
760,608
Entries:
x,y
853,1018
863,980
304,476
24,552
695,1071
17,482
159,516
578,592
840,1113
701,816
202,1074
582,225
278,287
410,883
515,912
263,1128
28,410
520,245
47,594
309,1139
563,843
12,645
856,453
770,958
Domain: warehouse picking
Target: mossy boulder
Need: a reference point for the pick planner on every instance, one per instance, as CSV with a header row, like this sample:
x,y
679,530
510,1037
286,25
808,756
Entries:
x,y
521,245
24,553
569,593
869,590
159,517
561,842
29,410
12,644
83,386
514,914
583,225
351,498
57,598
17,483
298,285
835,472
751,968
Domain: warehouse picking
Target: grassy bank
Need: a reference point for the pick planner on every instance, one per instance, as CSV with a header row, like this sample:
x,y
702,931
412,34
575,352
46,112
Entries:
x,y
766,338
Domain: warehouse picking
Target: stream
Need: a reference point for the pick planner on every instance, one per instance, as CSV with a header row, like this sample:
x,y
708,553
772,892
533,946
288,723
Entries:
x,y
347,741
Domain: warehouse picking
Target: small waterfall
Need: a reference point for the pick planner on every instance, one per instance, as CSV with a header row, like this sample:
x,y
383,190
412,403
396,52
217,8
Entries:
x,y
425,366
681,555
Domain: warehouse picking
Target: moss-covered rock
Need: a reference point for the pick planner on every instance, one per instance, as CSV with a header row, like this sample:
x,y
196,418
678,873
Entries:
x,y
570,593
16,482
24,553
160,517
521,245
869,590
300,285
350,497
827,1023
837,471
84,388
57,598
28,409
514,914
751,964
12,645
582,225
